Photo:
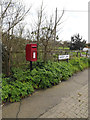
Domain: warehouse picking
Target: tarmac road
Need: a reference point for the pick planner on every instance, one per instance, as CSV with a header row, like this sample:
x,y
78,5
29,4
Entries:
x,y
43,100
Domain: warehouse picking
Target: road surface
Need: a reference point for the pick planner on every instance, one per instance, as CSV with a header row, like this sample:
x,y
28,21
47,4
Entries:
x,y
63,97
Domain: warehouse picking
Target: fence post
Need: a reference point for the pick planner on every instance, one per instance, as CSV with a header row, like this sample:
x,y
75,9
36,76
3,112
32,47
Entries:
x,y
86,53
65,53
77,54
80,54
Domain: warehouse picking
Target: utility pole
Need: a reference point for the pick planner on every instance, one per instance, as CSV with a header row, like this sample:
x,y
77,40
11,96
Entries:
x,y
55,27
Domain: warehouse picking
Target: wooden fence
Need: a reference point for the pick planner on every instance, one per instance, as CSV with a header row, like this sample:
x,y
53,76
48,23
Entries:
x,y
18,58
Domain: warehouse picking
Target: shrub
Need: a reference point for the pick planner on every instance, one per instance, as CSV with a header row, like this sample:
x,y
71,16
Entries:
x,y
23,82
14,91
66,70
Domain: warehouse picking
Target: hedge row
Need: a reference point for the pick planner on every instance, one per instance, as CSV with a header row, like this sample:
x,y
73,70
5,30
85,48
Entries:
x,y
23,83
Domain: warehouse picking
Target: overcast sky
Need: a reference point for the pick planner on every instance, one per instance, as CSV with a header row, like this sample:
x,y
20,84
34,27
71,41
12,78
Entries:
x,y
75,20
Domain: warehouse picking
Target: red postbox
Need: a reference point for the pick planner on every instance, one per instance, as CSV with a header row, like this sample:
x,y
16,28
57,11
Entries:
x,y
31,52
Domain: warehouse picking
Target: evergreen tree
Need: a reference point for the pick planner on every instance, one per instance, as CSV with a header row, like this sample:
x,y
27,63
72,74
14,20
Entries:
x,y
77,43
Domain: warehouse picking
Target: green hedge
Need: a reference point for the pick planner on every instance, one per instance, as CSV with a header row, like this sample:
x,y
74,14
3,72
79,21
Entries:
x,y
23,83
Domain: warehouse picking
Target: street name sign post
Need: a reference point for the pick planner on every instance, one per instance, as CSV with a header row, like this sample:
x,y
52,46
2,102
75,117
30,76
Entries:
x,y
63,57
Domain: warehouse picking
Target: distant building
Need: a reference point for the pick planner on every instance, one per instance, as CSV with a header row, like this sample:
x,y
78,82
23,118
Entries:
x,y
86,49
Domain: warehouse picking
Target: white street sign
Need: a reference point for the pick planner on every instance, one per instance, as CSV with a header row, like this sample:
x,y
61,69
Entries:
x,y
62,57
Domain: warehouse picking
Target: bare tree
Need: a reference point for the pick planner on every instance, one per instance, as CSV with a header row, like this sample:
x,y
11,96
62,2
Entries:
x,y
40,15
45,31
12,14
48,35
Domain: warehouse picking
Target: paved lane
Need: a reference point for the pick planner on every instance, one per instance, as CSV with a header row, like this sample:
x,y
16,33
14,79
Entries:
x,y
44,100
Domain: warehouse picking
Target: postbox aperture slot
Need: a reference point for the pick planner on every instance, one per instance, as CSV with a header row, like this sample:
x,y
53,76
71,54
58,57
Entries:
x,y
34,47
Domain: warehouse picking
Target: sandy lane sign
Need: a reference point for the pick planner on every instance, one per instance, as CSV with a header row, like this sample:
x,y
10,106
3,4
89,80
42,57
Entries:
x,y
63,57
